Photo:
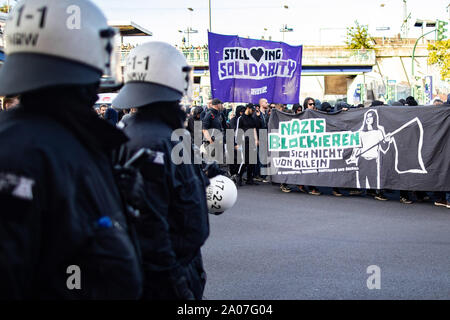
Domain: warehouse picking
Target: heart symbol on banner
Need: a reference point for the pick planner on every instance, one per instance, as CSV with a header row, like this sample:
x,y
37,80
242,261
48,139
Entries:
x,y
257,53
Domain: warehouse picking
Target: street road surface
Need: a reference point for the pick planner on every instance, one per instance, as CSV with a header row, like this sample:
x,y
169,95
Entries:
x,y
275,245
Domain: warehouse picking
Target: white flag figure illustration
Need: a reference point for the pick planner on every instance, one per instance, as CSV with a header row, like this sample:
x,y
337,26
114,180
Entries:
x,y
374,142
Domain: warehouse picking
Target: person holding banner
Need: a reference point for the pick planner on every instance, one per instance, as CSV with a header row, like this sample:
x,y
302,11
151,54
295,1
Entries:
x,y
367,157
310,103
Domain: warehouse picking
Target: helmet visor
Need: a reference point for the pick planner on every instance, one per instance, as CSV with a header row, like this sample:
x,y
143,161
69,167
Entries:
x,y
23,72
138,94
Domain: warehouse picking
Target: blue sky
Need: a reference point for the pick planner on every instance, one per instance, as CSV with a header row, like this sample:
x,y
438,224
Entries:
x,y
314,22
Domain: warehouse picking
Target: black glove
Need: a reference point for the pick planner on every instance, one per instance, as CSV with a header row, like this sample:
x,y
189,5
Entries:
x,y
167,285
182,290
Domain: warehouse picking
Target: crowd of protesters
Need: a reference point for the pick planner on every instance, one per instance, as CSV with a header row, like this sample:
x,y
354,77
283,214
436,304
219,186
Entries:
x,y
214,116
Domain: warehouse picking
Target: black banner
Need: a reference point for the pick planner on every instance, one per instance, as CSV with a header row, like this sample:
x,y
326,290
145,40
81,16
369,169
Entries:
x,y
385,147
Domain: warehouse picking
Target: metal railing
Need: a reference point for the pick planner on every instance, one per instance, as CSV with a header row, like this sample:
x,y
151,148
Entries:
x,y
193,56
196,55
330,56
311,56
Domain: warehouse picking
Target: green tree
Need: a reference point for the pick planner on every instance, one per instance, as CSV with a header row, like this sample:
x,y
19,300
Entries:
x,y
439,54
4,8
358,37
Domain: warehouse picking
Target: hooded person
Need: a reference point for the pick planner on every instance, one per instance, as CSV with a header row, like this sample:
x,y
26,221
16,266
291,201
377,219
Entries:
x,y
246,127
191,122
376,103
326,107
410,101
318,104
297,108
174,224
62,213
112,116
239,112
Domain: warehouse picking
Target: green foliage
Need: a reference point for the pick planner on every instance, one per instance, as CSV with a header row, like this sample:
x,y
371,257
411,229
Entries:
x,y
439,54
358,37
441,30
4,8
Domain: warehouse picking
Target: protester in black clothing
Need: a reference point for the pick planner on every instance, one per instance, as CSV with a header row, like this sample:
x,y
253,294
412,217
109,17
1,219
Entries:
x,y
246,126
191,122
239,111
410,101
376,103
297,108
62,217
310,103
234,168
112,116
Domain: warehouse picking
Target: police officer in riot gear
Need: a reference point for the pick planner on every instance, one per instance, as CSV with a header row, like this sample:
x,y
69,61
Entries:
x,y
63,229
156,78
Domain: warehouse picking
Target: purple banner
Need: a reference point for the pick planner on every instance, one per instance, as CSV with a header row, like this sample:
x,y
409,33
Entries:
x,y
246,70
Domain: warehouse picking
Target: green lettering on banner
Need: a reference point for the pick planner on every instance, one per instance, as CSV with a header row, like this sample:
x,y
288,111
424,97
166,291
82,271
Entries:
x,y
336,140
326,140
320,125
304,125
285,128
295,127
312,125
274,142
354,139
283,144
345,140
311,140
293,143
302,143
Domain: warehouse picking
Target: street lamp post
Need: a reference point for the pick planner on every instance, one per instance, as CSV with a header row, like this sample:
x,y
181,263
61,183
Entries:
x,y
189,30
286,29
210,28
421,23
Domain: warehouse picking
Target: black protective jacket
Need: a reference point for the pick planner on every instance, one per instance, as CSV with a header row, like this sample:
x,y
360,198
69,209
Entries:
x,y
175,224
60,207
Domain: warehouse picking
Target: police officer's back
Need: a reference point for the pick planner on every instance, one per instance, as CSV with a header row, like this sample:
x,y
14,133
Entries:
x,y
63,232
174,224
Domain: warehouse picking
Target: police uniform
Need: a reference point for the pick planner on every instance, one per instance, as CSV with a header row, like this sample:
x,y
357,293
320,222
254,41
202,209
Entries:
x,y
61,208
213,120
171,244
63,229
174,221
